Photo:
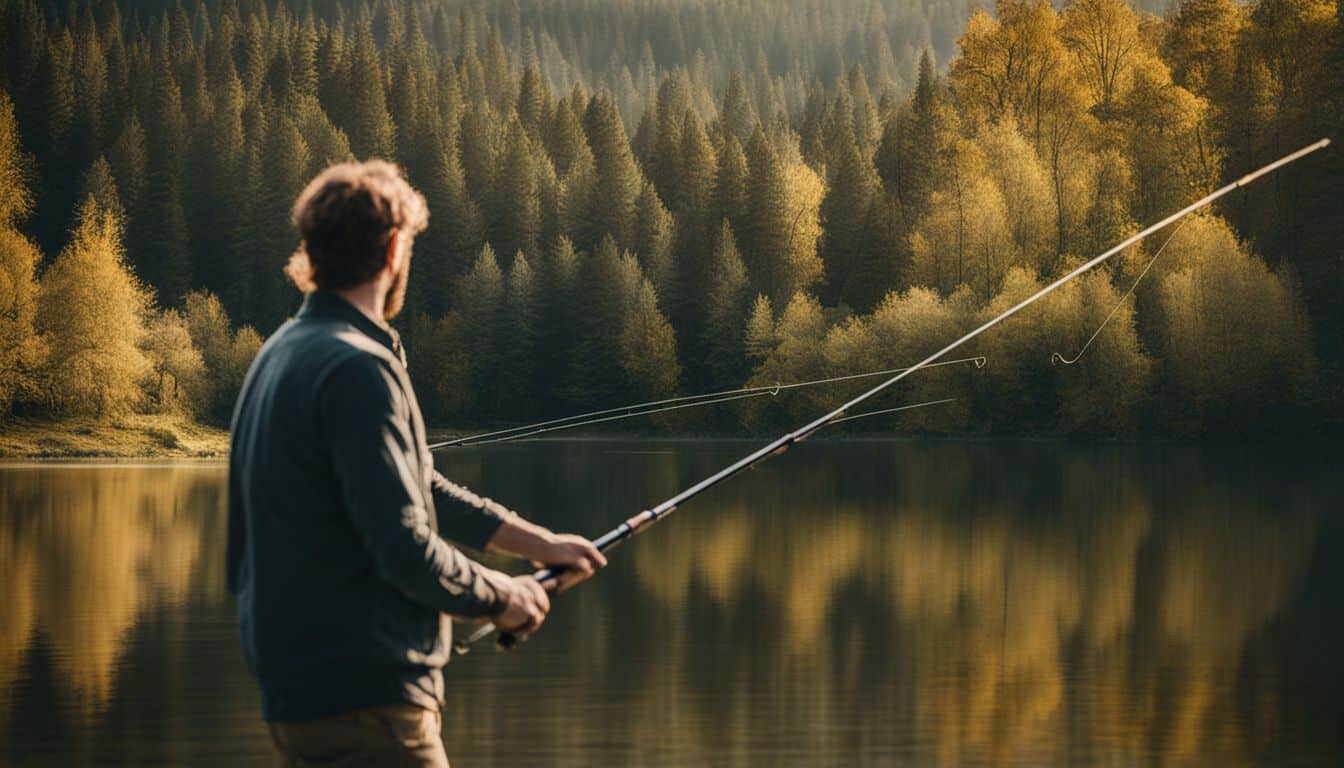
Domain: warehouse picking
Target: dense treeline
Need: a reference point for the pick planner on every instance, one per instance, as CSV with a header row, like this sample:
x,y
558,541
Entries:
x,y
762,195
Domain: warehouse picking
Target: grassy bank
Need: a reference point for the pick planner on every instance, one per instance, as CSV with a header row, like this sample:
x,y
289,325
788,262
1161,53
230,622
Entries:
x,y
140,436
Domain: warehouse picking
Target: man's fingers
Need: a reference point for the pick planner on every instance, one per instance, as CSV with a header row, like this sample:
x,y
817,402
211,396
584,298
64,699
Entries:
x,y
593,556
543,600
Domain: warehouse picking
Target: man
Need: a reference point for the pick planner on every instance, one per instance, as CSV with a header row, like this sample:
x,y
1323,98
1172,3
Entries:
x,y
336,513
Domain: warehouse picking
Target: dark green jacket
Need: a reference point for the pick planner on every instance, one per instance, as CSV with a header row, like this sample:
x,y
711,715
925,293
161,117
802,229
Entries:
x,y
336,515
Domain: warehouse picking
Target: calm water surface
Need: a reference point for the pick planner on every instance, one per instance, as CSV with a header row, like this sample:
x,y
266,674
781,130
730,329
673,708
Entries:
x,y
853,603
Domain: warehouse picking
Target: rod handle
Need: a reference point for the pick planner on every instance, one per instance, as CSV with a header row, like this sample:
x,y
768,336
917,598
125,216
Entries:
x,y
507,641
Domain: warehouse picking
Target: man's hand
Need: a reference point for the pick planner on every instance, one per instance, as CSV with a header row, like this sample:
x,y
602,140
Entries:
x,y
575,555
526,606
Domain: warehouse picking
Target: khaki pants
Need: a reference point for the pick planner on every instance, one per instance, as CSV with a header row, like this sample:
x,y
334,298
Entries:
x,y
394,735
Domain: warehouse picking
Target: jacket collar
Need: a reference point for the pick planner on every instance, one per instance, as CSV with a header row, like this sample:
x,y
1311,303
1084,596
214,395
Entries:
x,y
327,305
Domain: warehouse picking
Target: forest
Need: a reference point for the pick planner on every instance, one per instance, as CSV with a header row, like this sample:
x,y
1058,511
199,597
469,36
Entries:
x,y
634,199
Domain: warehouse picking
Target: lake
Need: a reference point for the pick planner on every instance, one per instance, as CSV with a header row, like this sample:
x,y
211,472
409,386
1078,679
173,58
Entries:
x,y
850,603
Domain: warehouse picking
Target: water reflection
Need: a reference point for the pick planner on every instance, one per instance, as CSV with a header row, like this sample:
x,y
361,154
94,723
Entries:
x,y
946,603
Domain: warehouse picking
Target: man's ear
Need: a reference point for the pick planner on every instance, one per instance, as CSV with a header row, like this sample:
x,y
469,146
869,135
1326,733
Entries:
x,y
394,255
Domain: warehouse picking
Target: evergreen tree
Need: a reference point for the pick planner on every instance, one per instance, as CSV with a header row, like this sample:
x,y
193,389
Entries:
x,y
737,118
731,183
129,165
158,236
479,304
759,337
854,277
456,229
520,332
648,347
665,165
372,133
726,306
534,102
693,203
99,184
564,137
767,224
618,177
595,375
285,161
516,223
653,242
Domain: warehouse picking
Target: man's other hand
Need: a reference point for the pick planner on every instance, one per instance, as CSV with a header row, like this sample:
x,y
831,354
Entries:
x,y
525,608
575,555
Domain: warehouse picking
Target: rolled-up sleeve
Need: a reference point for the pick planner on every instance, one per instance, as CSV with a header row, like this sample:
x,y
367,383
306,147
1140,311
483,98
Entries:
x,y
464,516
366,423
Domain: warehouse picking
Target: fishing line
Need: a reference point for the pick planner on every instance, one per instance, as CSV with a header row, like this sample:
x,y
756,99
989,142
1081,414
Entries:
x,y
643,520
1056,357
866,414
667,404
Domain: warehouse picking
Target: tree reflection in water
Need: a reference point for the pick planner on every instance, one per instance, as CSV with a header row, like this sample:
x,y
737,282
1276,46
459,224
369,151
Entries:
x,y
943,602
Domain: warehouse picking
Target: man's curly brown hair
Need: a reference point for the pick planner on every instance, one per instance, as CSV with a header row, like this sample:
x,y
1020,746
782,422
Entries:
x,y
346,217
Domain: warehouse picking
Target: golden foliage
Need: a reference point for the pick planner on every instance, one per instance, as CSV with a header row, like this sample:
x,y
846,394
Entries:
x,y
91,307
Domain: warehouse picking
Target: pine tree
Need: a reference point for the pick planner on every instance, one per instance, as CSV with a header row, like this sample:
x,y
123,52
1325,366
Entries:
x,y
731,184
372,133
128,158
534,102
767,223
519,334
852,275
648,347
726,305
90,308
595,376
560,312
479,304
516,222
693,203
456,229
653,242
759,338
99,184
672,104
158,236
618,177
563,137
737,118
285,161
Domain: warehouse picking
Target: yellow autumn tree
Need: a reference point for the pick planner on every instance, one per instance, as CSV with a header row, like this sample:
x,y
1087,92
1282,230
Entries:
x,y
91,309
21,350
1236,335
178,374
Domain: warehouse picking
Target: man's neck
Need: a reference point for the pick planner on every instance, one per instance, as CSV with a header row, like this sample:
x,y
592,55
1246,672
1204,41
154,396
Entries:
x,y
367,298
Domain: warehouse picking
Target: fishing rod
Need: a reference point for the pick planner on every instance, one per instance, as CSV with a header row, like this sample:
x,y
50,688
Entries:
x,y
667,404
643,520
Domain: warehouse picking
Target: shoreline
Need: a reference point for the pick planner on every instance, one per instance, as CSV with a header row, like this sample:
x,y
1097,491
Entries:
x,y
136,436
171,436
